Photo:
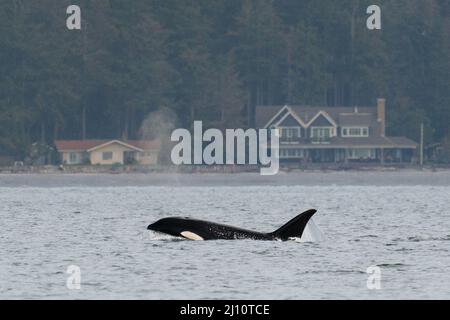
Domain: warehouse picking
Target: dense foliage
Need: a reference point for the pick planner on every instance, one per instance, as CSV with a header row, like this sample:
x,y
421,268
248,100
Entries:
x,y
215,61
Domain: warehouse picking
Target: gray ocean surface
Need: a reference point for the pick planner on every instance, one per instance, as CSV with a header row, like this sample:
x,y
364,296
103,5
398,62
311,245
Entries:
x,y
398,221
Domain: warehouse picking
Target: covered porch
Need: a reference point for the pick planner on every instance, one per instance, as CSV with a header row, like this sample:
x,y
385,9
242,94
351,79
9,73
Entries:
x,y
348,155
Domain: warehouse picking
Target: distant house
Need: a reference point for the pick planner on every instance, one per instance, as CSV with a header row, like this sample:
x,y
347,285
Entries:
x,y
107,152
335,134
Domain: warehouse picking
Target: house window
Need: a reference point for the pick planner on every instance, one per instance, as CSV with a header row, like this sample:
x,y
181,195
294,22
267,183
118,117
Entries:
x,y
290,132
73,157
107,155
321,132
355,132
361,154
299,153
291,153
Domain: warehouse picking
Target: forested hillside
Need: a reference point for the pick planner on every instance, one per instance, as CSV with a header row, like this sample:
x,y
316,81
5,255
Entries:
x,y
215,61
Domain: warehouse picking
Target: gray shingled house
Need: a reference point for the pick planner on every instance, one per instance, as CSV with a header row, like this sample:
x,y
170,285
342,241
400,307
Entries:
x,y
335,134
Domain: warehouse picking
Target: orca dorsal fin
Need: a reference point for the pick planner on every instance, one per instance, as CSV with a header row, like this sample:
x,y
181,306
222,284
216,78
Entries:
x,y
295,227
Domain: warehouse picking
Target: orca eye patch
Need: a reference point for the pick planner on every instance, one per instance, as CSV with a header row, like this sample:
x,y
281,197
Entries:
x,y
191,236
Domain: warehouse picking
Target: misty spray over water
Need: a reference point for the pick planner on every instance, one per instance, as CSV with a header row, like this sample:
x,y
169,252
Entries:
x,y
159,125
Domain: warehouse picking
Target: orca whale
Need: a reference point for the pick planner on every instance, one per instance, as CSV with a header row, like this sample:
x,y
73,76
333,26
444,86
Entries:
x,y
193,229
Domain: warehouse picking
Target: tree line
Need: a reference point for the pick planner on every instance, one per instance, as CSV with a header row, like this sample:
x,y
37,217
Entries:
x,y
215,61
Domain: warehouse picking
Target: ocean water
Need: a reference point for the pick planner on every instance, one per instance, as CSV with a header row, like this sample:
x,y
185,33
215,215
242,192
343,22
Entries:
x,y
398,222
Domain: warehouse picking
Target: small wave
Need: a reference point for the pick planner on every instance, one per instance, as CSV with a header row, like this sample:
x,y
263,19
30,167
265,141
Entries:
x,y
348,271
302,240
157,236
403,249
421,238
391,265
339,271
428,238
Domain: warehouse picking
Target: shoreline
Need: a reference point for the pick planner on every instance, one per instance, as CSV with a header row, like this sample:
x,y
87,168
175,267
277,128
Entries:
x,y
223,169
404,177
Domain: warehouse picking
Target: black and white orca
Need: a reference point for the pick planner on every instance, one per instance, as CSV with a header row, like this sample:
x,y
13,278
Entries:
x,y
203,230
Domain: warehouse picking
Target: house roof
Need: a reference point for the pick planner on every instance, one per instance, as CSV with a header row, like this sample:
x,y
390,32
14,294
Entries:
x,y
85,145
349,115
281,115
322,118
78,145
403,141
124,144
348,120
341,117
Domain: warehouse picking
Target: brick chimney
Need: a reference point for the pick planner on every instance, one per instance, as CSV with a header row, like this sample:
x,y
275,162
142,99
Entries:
x,y
381,115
